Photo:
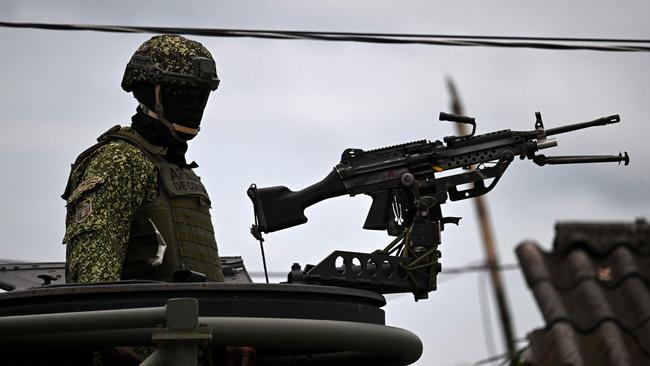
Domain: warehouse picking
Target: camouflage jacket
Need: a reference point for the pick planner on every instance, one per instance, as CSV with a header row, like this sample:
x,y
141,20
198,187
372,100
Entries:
x,y
105,190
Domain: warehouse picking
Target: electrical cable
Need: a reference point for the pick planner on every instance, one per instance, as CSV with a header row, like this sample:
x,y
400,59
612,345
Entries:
x,y
492,359
483,267
454,271
504,358
548,43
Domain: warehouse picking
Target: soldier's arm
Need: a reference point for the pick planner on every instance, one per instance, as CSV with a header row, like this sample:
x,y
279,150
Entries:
x,y
100,209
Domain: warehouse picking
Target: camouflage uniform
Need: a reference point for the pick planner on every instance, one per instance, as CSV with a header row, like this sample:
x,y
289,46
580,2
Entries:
x,y
108,186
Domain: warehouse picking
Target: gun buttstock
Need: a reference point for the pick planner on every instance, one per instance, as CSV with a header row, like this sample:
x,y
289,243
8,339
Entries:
x,y
279,207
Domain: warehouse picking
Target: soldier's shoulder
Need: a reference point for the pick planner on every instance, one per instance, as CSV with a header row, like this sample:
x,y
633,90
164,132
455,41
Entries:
x,y
118,148
120,156
121,151
110,162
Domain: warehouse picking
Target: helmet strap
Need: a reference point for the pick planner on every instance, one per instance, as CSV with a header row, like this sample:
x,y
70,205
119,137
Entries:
x,y
158,106
158,114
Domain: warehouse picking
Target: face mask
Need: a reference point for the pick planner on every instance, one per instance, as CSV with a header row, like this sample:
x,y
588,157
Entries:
x,y
179,108
184,105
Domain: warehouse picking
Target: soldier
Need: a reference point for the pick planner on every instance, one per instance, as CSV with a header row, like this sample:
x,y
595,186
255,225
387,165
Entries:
x,y
135,208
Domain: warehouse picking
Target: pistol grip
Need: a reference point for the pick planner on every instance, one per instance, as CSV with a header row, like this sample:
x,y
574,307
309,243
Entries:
x,y
379,213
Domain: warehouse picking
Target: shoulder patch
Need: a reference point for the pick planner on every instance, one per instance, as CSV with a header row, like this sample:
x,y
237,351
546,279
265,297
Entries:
x,y
83,210
84,186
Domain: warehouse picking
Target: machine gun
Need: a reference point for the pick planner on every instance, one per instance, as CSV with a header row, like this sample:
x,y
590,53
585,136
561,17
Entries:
x,y
408,184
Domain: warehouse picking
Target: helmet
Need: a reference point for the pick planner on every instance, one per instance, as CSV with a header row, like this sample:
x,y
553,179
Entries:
x,y
171,60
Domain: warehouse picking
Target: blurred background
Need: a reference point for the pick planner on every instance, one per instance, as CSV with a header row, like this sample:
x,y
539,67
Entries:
x,y
286,110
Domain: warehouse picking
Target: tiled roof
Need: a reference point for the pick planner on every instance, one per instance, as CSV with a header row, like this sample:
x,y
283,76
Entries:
x,y
593,290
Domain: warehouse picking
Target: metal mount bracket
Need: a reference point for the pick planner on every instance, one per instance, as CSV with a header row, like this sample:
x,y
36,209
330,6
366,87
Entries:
x,y
370,271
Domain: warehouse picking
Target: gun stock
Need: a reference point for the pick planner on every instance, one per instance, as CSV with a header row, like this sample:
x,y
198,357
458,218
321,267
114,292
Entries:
x,y
279,207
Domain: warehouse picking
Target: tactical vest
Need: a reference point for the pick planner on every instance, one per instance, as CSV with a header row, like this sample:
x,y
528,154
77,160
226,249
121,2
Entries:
x,y
175,225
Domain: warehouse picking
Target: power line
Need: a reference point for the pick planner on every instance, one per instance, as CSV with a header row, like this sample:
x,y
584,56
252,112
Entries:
x,y
478,268
504,358
492,359
455,271
547,43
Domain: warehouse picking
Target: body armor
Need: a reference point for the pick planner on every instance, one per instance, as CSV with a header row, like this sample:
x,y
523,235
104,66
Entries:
x,y
172,231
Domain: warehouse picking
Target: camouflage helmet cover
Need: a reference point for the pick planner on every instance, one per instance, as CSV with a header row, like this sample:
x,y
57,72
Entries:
x,y
171,59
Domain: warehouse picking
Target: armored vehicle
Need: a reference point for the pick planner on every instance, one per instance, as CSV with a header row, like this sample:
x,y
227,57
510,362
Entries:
x,y
287,324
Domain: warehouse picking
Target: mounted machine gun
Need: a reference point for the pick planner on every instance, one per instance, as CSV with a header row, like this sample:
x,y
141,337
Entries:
x,y
407,187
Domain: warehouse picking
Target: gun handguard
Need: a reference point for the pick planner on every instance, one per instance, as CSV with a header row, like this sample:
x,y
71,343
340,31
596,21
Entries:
x,y
279,207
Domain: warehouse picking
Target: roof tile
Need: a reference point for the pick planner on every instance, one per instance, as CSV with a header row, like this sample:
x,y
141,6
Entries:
x,y
601,238
593,290
561,344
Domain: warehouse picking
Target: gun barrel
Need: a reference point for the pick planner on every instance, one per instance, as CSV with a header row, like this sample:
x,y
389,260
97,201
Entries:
x,y
578,126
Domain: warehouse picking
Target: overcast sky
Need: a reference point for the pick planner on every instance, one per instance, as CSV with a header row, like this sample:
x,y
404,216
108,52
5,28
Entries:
x,y
286,110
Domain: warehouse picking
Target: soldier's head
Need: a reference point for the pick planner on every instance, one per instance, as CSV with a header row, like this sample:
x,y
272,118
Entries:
x,y
172,77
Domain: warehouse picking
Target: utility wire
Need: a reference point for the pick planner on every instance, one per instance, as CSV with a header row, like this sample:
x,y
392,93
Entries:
x,y
504,357
492,359
547,43
483,267
454,271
